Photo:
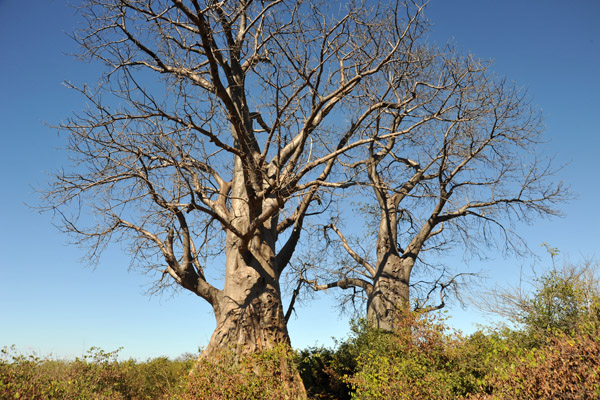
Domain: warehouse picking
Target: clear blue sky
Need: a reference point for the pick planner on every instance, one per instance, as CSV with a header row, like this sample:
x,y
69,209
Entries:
x,y
52,303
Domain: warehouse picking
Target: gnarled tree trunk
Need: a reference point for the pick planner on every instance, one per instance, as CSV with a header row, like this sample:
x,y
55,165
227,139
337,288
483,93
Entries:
x,y
249,311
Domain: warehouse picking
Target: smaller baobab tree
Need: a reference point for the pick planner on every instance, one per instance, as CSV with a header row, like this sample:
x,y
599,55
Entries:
x,y
462,179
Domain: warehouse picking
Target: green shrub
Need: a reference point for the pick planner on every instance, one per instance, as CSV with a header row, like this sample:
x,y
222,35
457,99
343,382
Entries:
x,y
565,367
563,303
268,375
97,375
324,373
420,360
21,377
156,378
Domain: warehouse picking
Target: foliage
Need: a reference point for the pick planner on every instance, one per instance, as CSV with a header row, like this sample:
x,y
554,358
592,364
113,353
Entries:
x,y
97,375
565,367
226,375
563,298
324,372
563,303
156,378
25,377
555,356
420,359
100,375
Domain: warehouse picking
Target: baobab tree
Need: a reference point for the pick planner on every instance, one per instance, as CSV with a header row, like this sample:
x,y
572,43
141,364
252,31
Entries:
x,y
461,179
216,129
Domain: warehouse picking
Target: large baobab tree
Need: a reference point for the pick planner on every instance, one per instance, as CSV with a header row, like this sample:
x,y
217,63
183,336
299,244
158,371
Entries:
x,y
213,134
460,179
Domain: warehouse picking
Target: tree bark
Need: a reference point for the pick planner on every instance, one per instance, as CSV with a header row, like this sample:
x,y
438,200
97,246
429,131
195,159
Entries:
x,y
249,312
389,298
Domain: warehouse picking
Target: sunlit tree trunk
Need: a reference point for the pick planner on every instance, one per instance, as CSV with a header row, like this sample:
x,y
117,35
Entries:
x,y
389,298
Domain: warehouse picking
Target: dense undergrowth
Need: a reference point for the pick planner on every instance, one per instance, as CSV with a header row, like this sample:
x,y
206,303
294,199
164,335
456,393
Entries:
x,y
420,361
553,354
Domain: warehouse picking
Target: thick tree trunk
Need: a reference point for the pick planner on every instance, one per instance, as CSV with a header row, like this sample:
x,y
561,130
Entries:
x,y
249,313
251,324
389,298
249,310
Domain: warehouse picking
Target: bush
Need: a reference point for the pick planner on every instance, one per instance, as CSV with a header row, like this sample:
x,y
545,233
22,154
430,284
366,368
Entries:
x,y
156,378
420,360
269,375
324,372
97,375
22,377
565,367
563,303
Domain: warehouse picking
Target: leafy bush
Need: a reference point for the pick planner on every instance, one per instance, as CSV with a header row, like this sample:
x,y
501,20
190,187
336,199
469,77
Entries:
x,y
554,355
562,304
156,378
566,367
97,375
22,377
324,372
269,375
418,361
